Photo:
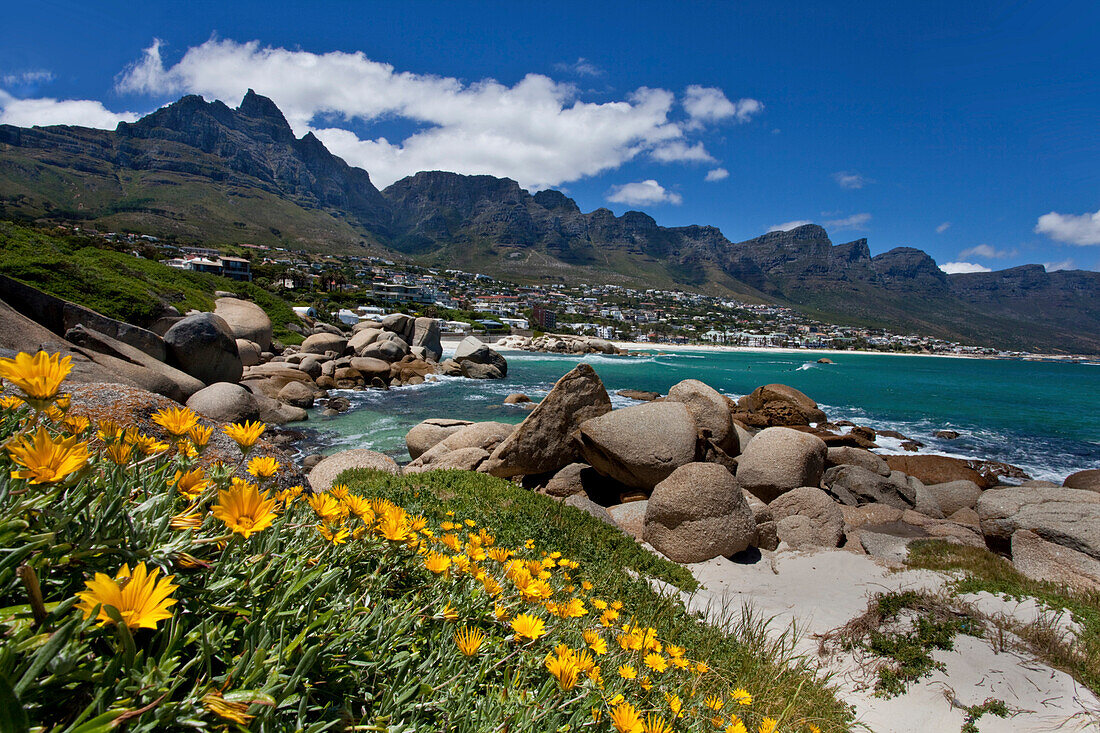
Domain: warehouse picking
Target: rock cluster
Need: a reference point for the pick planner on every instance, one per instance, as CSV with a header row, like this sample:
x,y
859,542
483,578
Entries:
x,y
556,343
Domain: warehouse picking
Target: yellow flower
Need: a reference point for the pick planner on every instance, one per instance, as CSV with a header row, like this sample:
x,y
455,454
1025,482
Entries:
x,y
263,467
190,518
11,402
469,640
714,702
327,508
741,696
176,421
656,662
599,604
199,435
626,719
76,424
646,684
119,453
595,642
536,590
812,728
627,672
234,711
244,509
337,537
437,563
149,445
394,527
528,626
39,376
360,507
499,554
288,495
768,725
186,449
108,431
449,613
45,460
679,662
701,668
339,491
245,434
500,612
491,586
655,724
675,704
141,600
736,725
565,670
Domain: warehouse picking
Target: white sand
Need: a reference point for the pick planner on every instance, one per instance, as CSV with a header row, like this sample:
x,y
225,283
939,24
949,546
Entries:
x,y
821,591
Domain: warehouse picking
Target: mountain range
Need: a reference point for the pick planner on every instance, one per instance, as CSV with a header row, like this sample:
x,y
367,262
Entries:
x,y
203,172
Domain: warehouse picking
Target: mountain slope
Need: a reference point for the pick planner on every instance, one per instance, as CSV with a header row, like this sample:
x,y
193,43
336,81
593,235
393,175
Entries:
x,y
203,172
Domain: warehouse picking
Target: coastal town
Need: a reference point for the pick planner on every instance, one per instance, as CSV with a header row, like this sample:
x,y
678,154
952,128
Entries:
x,y
355,288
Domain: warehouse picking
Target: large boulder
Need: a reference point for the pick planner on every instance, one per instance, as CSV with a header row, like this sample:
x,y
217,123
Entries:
x,y
203,346
780,459
710,410
426,434
955,495
472,350
426,334
542,442
698,513
362,338
296,394
225,402
474,370
320,343
250,352
855,485
640,445
1066,517
399,323
1045,561
849,456
630,517
934,469
824,526
324,474
463,459
1088,480
134,364
370,368
780,405
485,435
246,320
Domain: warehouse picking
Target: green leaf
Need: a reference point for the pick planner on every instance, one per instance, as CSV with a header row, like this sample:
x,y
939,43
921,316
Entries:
x,y
253,697
13,719
101,723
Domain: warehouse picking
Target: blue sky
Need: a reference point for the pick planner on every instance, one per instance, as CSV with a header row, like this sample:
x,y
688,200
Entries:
x,y
969,130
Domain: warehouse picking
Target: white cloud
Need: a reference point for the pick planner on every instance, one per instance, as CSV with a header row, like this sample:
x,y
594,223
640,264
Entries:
x,y
641,193
1055,266
580,67
678,150
987,251
717,174
537,131
850,179
787,226
40,76
855,221
49,111
1083,229
943,227
954,268
710,104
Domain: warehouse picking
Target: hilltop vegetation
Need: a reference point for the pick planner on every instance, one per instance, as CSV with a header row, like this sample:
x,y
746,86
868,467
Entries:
x,y
118,284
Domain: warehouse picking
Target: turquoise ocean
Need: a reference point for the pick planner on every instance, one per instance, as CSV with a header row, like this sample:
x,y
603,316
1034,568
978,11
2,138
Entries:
x,y
1041,416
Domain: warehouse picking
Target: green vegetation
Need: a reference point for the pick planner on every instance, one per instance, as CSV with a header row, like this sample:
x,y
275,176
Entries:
x,y
117,284
743,652
974,713
985,571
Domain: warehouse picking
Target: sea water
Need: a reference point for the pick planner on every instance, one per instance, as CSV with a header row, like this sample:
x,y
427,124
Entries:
x,y
1041,416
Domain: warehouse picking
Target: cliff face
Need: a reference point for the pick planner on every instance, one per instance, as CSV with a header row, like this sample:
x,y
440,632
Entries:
x,y
206,172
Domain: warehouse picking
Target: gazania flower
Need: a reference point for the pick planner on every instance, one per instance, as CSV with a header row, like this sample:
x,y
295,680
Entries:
x,y
39,376
500,612
108,431
565,670
360,507
244,509
141,601
714,702
45,460
234,711
499,554
176,421
191,484
736,725
449,613
627,672
741,696
189,519
119,453
263,467
469,640
491,586
199,435
288,495
335,536
339,491
437,563
11,402
675,704
646,683
626,718
245,434
656,662
655,724
394,528
187,449
768,725
327,508
595,642
149,445
701,668
527,626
